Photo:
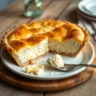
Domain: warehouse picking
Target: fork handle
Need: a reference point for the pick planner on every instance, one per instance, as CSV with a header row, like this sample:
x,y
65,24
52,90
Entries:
x,y
87,65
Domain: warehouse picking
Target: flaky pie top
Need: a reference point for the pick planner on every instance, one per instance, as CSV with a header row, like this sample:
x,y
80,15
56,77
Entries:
x,y
33,33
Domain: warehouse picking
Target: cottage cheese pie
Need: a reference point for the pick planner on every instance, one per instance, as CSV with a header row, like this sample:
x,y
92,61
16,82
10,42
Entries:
x,y
27,42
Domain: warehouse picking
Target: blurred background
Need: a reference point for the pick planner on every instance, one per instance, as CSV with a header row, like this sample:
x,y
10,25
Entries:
x,y
5,3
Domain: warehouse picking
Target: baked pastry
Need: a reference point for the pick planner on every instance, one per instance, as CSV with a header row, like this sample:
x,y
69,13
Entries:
x,y
29,41
68,39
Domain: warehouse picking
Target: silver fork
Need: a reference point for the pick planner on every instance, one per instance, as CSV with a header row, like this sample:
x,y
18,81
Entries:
x,y
69,67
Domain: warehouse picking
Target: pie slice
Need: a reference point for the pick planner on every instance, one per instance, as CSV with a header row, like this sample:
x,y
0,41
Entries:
x,y
29,41
68,39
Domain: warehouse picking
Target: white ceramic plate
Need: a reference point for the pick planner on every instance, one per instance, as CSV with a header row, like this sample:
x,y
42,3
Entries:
x,y
85,56
86,16
90,5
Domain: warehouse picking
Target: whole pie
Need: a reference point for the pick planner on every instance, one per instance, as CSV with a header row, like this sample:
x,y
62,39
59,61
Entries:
x,y
27,42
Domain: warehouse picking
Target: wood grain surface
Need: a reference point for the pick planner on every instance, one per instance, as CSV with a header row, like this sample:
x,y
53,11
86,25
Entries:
x,y
43,86
53,9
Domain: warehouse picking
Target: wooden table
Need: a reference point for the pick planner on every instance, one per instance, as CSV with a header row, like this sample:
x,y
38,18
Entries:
x,y
53,9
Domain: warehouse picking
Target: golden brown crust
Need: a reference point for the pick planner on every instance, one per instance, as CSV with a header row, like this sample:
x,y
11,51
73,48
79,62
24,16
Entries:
x,y
23,35
67,31
20,37
20,44
87,35
46,24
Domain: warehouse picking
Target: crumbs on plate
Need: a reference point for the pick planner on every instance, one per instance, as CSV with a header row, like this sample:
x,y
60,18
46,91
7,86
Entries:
x,y
35,70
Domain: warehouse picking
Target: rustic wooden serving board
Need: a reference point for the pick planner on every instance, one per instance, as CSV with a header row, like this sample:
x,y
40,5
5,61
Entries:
x,y
43,86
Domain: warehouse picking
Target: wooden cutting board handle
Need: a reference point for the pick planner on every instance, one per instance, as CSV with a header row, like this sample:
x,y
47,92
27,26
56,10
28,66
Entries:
x,y
43,86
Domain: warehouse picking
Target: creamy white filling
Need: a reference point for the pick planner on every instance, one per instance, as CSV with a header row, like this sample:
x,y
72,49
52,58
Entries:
x,y
30,53
68,46
57,61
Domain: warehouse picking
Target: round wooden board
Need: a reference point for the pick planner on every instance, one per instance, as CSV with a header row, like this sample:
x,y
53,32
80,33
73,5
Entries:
x,y
43,86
